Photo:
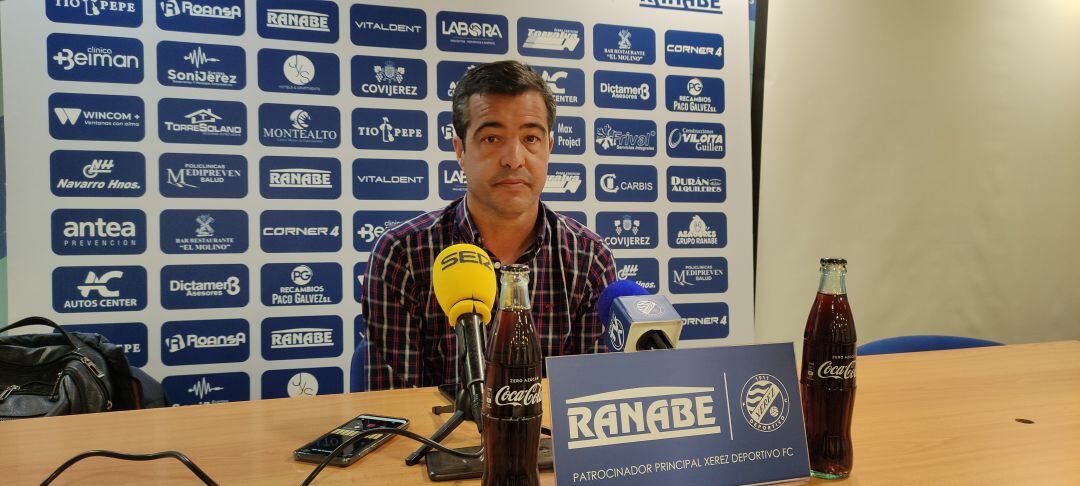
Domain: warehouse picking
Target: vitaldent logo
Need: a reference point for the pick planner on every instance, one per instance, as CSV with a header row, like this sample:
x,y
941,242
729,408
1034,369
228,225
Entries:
x,y
470,32
299,126
565,182
389,77
98,232
201,65
94,58
97,173
621,43
695,140
99,289
550,38
696,184
630,138
694,49
383,179
211,122
203,175
697,6
384,26
631,91
202,16
640,415
117,13
696,94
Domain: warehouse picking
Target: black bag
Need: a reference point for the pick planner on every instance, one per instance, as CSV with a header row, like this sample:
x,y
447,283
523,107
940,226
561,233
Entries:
x,y
62,373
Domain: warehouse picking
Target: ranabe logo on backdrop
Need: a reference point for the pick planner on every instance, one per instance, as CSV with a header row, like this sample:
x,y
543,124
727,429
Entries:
x,y
224,17
113,118
198,231
565,182
698,6
451,180
300,231
202,175
116,13
625,138
204,286
383,26
698,275
132,336
201,65
204,342
302,337
306,382
370,225
628,230
92,173
202,121
447,74
622,43
695,140
644,271
693,49
299,126
704,320
561,39
569,136
74,57
383,129
301,284
99,289
299,177
567,85
630,91
207,388
98,232
382,179
389,77
694,94
309,21
697,230
299,72
696,184
625,183
472,32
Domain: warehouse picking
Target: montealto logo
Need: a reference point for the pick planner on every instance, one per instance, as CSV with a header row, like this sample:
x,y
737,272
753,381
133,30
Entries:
x,y
519,398
840,372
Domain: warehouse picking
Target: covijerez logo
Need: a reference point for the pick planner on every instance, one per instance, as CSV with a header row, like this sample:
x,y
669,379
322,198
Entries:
x,y
193,231
697,230
383,179
383,129
696,140
98,232
694,49
310,21
561,39
92,173
116,13
99,289
299,126
301,284
203,175
301,337
298,72
383,26
621,43
389,77
204,342
204,286
625,138
114,118
202,16
697,6
201,65
299,177
74,57
628,230
472,32
202,121
619,417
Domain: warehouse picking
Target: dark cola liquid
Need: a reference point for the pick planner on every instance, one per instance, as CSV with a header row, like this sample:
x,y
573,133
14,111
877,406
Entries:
x,y
512,401
828,385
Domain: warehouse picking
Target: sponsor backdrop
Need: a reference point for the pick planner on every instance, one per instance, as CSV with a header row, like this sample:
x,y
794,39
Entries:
x,y
202,180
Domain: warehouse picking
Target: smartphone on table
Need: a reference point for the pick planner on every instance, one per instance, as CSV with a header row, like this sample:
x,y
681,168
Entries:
x,y
317,450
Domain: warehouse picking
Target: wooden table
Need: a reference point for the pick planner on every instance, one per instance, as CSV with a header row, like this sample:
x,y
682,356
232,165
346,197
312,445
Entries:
x,y
944,417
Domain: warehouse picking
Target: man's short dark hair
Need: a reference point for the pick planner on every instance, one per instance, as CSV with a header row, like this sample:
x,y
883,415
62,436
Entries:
x,y
501,77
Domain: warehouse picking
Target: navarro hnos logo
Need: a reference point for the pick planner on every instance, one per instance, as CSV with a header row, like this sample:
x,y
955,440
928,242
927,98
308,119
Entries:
x,y
561,39
644,271
224,17
195,231
207,388
90,173
697,230
694,94
565,182
472,32
74,57
699,6
567,85
384,179
389,77
695,140
696,184
201,65
115,118
116,13
306,382
620,43
640,415
625,138
629,230
98,232
202,121
310,21
452,180
301,337
698,275
447,74
569,134
299,72
625,183
299,177
630,91
383,26
301,284
99,289
704,320
204,286
370,225
203,175
299,126
203,342
383,129
300,231
131,336
693,49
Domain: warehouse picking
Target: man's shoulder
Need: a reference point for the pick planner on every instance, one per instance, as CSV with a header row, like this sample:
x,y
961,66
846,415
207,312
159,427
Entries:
x,y
415,231
571,229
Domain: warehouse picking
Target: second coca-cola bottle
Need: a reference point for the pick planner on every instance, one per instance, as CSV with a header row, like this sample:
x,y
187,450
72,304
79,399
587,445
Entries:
x,y
512,393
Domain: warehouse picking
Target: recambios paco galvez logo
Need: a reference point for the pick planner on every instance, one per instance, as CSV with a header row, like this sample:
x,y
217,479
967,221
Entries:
x,y
472,32
301,284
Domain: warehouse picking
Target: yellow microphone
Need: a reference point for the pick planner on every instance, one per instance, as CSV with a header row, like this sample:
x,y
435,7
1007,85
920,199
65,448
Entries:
x,y
464,282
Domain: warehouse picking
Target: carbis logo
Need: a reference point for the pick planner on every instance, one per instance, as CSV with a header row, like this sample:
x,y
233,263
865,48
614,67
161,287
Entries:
x,y
224,17
97,173
447,74
625,138
300,231
562,39
696,184
451,180
628,230
695,140
299,126
198,231
694,94
370,225
569,135
625,183
207,388
359,269
644,271
383,179
202,121
389,77
382,26
201,65
472,32
204,286
299,72
202,175
302,337
704,320
446,131
697,6
74,57
383,129
629,91
99,289
301,284
565,182
132,336
75,116
204,342
98,231
299,177
697,230
310,21
694,49
116,13
306,382
567,85
697,275
621,43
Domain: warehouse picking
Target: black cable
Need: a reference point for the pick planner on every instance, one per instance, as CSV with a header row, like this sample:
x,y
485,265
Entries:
x,y
132,457
389,430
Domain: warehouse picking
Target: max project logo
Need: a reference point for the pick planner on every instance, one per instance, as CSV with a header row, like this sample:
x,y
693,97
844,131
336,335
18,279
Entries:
x,y
204,286
99,289
288,71
384,26
693,49
202,121
390,179
195,231
560,39
299,177
630,91
115,118
383,129
302,337
626,183
627,230
204,342
623,43
225,17
209,66
299,126
284,231
472,32
625,138
565,182
697,230
569,134
98,232
389,77
696,184
74,57
301,284
91,173
309,21
115,13
202,175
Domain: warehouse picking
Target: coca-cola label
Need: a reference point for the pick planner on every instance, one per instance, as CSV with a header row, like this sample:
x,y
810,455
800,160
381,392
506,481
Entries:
x,y
837,371
514,397
518,398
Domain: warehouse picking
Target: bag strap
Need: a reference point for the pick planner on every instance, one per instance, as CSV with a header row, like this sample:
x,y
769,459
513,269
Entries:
x,y
41,321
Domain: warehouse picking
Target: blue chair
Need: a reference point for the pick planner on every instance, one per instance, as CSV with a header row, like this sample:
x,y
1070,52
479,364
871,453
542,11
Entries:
x,y
911,344
358,368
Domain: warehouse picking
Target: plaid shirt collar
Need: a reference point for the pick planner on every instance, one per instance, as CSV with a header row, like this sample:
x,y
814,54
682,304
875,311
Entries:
x,y
471,234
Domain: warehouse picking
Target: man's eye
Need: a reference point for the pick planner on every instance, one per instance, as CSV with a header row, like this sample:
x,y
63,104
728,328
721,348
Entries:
x,y
531,139
490,139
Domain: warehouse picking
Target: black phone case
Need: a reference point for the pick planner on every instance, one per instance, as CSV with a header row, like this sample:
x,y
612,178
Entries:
x,y
316,457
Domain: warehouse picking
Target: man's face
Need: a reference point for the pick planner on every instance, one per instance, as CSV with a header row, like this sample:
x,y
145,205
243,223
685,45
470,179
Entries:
x,y
506,150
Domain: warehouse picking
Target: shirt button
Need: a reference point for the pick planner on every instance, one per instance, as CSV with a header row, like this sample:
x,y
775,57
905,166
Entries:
x,y
498,265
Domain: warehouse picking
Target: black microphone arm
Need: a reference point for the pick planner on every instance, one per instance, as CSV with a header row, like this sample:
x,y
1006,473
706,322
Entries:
x,y
471,343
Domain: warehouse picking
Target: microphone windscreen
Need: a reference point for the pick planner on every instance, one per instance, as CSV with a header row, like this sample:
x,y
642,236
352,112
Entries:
x,y
464,281
618,288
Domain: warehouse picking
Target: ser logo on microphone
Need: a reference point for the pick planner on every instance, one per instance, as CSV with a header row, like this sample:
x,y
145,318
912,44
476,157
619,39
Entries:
x,y
465,256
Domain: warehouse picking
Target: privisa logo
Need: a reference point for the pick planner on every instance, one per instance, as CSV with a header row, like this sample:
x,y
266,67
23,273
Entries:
x,y
203,175
99,289
201,65
74,116
632,91
202,16
389,77
117,13
300,231
550,38
641,415
383,129
696,184
699,6
94,58
694,49
98,231
288,71
384,26
625,44
695,140
469,32
299,125
628,138
97,173
383,179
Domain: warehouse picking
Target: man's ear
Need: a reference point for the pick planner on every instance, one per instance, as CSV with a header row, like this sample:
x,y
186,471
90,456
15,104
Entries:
x,y
459,152
551,140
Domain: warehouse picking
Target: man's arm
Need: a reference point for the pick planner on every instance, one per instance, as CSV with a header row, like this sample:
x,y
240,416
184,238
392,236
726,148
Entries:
x,y
393,318
588,329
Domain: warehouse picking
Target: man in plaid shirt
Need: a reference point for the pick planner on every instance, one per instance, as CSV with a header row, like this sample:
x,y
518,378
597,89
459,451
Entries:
x,y
503,114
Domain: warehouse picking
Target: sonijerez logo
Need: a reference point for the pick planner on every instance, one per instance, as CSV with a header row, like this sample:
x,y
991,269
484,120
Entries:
x,y
99,289
75,116
370,225
625,138
697,6
115,13
567,85
359,269
302,337
204,286
207,388
309,21
384,129
626,183
383,26
561,39
696,140
565,182
698,275
306,382
299,126
98,232
765,402
447,74
224,17
283,231
707,320
696,184
594,423
202,175
97,173
472,32
299,177
630,91
201,65
286,71
204,342
74,57
628,230
694,94
386,179
693,49
389,77
301,284
621,43
452,180
697,230
569,136
644,271
131,336
200,231
202,121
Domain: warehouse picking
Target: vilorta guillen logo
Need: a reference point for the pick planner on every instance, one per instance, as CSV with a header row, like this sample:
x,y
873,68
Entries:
x,y
765,402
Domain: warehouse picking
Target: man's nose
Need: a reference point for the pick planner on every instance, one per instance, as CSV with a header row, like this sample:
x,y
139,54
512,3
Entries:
x,y
514,155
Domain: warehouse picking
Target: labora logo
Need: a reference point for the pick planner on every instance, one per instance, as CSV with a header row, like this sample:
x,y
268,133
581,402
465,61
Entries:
x,y
698,275
98,231
695,140
97,173
699,6
383,129
99,289
697,230
695,94
203,175
301,284
452,180
210,122
469,32
696,184
620,43
201,65
565,182
389,77
94,58
299,126
631,91
550,38
627,230
628,138
202,16
117,13
694,49
567,85
640,415
185,231
384,26
316,21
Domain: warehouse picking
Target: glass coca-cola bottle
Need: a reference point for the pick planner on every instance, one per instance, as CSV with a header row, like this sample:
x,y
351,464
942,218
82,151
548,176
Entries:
x,y
827,379
512,393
